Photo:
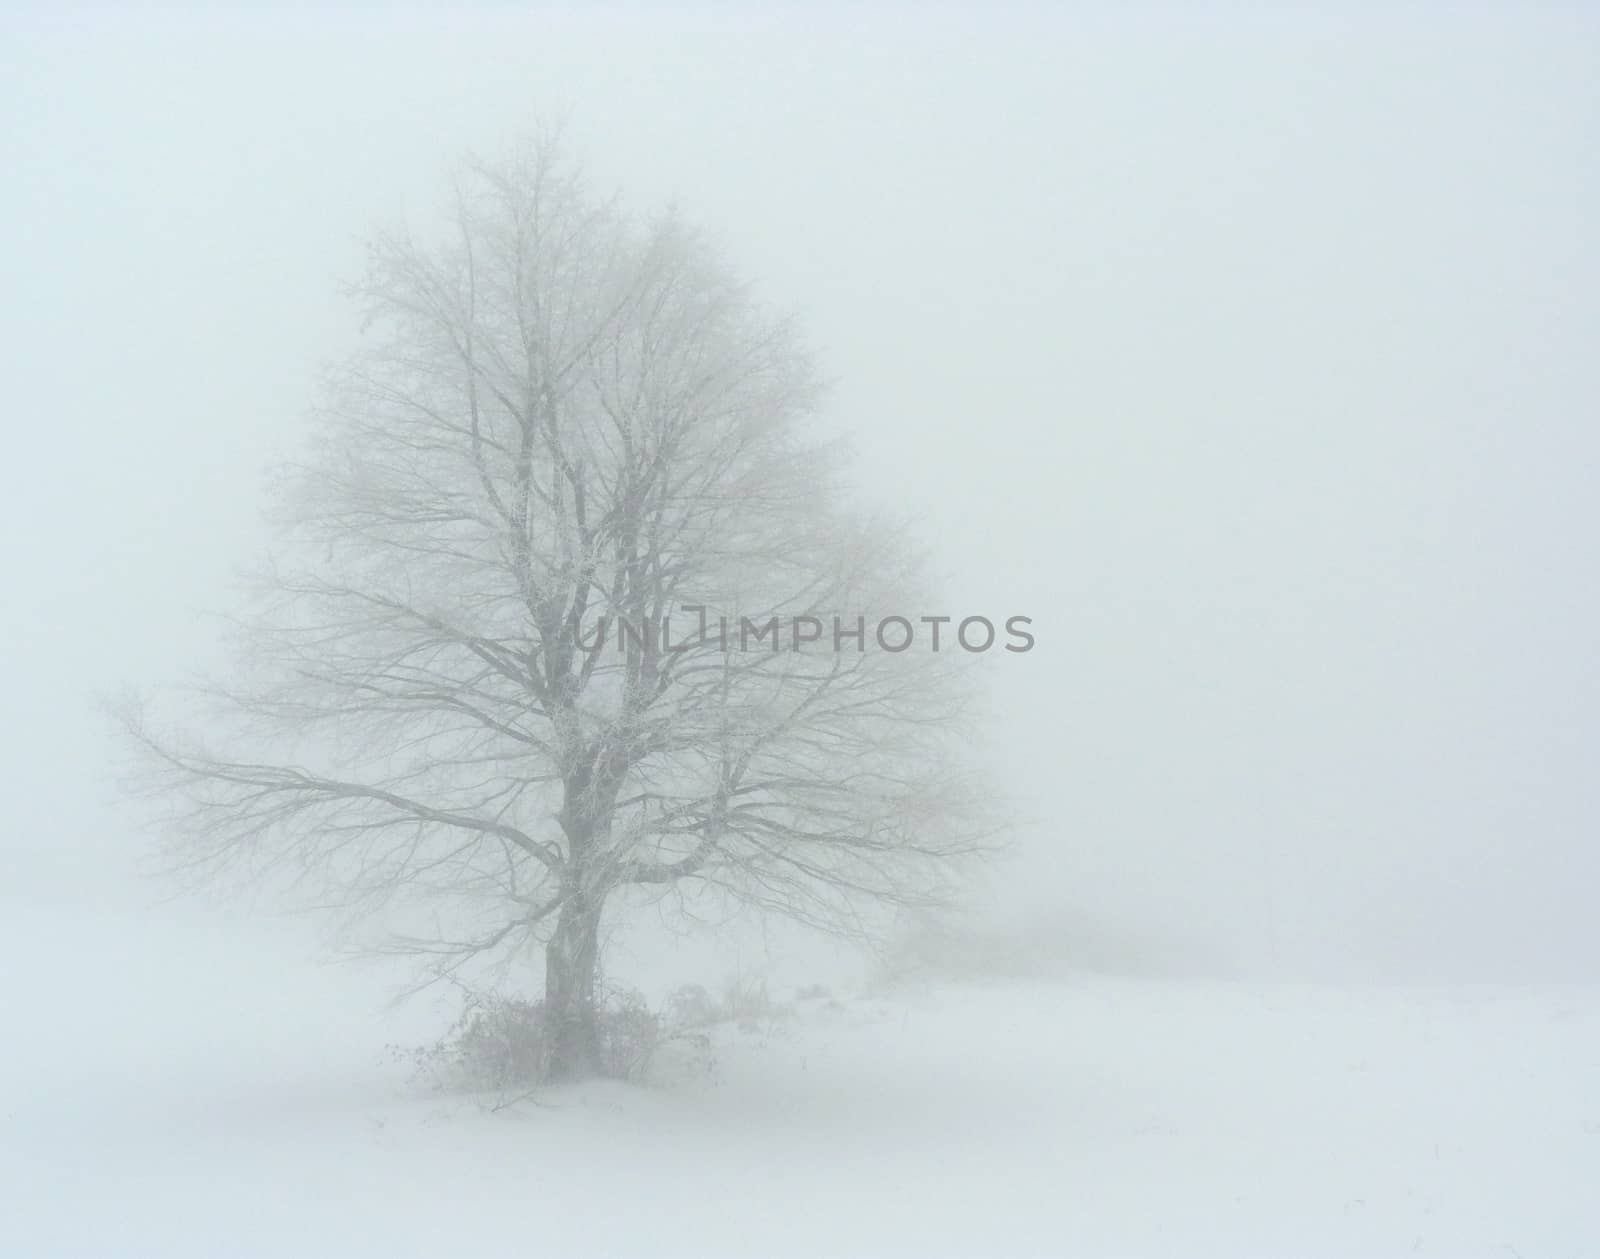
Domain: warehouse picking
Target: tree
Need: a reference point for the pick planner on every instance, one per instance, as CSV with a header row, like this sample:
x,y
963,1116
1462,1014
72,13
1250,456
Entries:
x,y
566,613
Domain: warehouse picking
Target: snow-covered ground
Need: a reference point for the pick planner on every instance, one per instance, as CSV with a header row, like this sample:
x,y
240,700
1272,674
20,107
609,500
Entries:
x,y
157,1102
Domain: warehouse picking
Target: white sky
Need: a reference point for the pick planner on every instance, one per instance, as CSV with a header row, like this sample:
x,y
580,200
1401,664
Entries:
x,y
1255,358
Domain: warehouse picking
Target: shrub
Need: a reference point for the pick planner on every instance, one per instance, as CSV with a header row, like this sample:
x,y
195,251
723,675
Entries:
x,y
629,1034
495,1043
692,1006
745,1000
499,1043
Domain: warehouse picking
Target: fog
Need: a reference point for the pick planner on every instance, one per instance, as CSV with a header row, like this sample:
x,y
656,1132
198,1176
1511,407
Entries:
x,y
1253,358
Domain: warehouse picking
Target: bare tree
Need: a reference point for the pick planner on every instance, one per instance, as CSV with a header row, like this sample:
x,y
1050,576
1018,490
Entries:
x,y
567,612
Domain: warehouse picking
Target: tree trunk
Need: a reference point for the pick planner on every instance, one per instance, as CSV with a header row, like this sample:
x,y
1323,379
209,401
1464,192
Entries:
x,y
571,967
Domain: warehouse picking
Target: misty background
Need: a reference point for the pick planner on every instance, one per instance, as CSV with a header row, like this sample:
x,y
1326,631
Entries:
x,y
1253,357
